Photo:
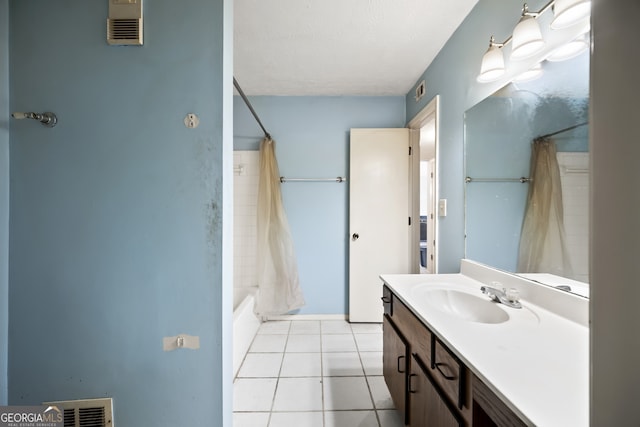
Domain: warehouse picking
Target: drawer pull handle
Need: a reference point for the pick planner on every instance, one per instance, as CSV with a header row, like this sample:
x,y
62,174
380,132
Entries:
x,y
400,370
409,383
386,300
448,377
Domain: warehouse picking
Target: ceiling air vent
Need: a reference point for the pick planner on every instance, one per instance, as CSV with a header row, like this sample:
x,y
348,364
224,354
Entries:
x,y
86,412
124,26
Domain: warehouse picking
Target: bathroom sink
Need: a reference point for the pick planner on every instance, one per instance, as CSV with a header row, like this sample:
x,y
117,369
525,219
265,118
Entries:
x,y
461,304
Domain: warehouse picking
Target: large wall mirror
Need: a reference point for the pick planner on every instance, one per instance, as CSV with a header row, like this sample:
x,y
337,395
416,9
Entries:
x,y
499,140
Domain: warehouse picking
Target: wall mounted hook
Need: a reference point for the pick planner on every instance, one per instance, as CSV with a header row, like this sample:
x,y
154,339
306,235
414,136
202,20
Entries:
x,y
47,118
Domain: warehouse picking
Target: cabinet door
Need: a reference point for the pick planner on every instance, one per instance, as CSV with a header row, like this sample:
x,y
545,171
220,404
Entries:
x,y
395,361
427,408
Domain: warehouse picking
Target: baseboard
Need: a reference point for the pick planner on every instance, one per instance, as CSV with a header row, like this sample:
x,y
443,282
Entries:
x,y
309,317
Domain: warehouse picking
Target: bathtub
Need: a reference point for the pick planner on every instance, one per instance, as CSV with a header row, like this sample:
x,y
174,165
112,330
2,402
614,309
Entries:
x,y
245,324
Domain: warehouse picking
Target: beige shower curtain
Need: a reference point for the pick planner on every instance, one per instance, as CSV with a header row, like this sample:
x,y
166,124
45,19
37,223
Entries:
x,y
542,242
278,283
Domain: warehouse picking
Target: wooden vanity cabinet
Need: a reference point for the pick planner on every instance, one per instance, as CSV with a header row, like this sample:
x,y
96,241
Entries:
x,y
425,380
429,384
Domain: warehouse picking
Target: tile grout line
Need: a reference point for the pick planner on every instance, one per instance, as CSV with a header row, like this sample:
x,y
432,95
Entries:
x,y
275,391
244,358
366,379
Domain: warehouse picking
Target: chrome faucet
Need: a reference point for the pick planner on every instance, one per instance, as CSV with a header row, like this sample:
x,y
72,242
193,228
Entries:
x,y
507,297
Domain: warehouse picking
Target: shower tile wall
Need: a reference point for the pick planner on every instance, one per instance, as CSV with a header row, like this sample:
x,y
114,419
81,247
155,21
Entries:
x,y
245,199
574,176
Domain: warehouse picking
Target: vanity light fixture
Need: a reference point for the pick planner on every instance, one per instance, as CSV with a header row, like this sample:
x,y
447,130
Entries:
x,y
569,50
569,12
527,37
492,67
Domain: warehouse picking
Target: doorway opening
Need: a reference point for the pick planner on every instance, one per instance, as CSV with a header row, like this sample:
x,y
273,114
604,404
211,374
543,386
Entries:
x,y
424,188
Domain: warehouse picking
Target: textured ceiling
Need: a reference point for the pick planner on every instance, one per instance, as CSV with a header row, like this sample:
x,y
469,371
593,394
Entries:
x,y
339,47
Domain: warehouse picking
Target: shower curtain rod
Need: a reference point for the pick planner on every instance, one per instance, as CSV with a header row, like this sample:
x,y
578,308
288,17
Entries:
x,y
336,179
522,179
246,101
561,131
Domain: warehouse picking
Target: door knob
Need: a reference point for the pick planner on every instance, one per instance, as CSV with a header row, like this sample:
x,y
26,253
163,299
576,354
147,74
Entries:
x,y
355,236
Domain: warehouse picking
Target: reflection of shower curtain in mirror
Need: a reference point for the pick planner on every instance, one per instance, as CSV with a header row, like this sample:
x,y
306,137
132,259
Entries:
x,y
278,284
542,241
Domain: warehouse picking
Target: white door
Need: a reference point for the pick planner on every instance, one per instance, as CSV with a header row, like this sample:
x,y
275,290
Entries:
x,y
378,216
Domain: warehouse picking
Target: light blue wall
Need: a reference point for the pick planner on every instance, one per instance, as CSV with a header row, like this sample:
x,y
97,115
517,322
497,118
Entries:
x,y
312,137
452,75
117,213
4,196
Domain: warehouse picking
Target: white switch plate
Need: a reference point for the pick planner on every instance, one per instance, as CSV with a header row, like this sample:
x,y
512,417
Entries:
x,y
442,207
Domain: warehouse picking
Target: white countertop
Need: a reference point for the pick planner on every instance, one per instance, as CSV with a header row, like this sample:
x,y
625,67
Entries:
x,y
537,362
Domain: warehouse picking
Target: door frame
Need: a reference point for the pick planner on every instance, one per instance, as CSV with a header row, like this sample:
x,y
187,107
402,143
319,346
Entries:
x,y
431,112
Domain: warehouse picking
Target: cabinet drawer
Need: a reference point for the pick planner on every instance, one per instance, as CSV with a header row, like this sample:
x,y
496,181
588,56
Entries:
x,y
449,373
414,331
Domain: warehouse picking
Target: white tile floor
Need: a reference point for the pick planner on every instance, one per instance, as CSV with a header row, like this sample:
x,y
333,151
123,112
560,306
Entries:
x,y
311,373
